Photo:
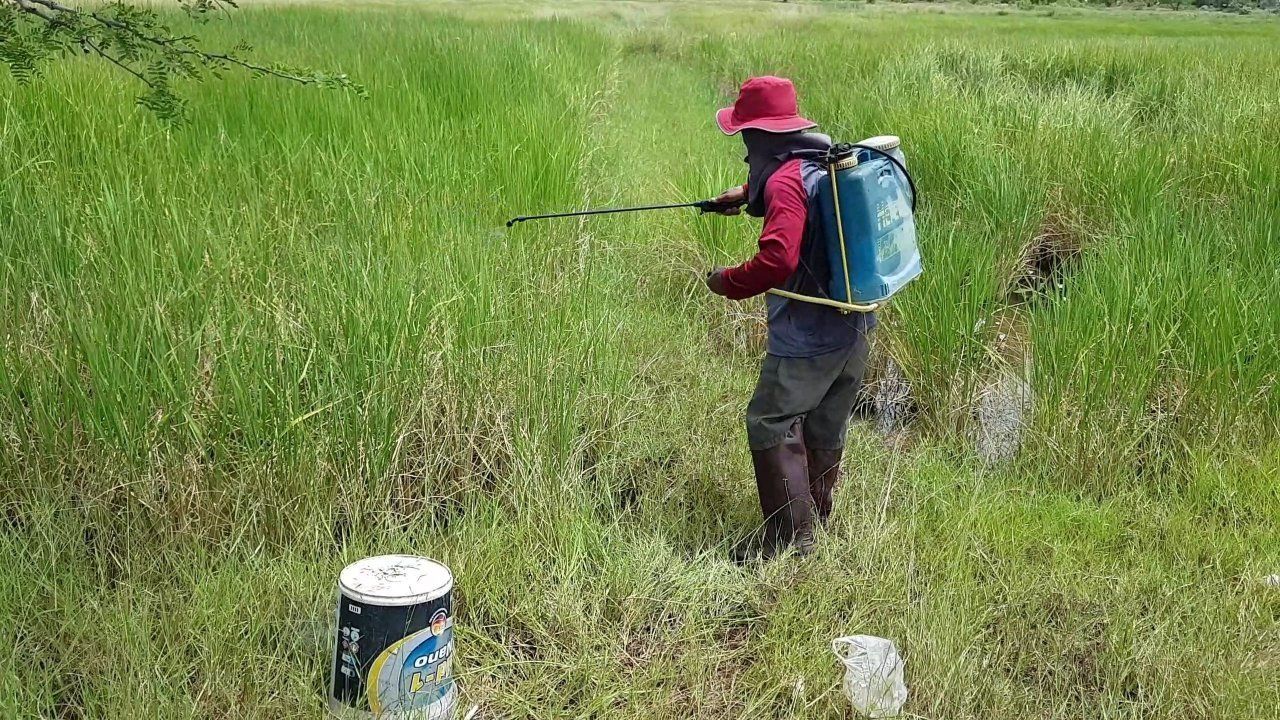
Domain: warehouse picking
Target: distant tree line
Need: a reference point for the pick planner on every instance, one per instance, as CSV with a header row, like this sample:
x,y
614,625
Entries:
x,y
1224,5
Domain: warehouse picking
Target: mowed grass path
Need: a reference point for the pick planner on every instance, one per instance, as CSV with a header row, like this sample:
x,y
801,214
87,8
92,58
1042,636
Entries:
x,y
236,355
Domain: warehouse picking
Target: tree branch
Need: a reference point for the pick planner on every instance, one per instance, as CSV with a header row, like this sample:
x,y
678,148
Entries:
x,y
49,4
175,44
40,10
254,67
54,5
135,39
116,61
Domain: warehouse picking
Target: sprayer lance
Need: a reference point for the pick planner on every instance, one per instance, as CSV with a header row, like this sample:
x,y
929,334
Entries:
x,y
705,206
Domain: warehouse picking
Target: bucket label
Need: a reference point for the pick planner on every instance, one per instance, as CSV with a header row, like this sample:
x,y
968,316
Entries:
x,y
416,672
393,659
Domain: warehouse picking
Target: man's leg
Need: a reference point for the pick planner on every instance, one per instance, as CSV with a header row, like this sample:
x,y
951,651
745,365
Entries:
x,y
788,389
826,426
782,483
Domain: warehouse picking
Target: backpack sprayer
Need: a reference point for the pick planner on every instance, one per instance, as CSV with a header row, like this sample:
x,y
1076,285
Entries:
x,y
866,213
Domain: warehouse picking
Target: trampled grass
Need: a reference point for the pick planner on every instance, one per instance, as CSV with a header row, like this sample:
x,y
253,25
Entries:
x,y
241,353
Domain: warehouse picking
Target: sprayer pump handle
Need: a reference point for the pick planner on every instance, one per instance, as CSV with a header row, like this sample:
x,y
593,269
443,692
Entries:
x,y
710,206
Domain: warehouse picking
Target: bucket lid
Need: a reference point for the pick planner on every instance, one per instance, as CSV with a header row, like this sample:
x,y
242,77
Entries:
x,y
394,580
883,142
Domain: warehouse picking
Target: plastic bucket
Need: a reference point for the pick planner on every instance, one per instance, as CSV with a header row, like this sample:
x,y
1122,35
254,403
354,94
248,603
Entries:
x,y
393,655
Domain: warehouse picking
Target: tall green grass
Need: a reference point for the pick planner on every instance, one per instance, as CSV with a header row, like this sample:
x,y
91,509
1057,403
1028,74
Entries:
x,y
237,354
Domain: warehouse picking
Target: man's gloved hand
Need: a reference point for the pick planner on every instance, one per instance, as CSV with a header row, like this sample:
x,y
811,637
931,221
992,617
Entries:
x,y
715,281
733,198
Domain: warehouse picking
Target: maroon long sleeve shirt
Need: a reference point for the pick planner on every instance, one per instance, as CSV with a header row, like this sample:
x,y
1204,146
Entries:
x,y
786,211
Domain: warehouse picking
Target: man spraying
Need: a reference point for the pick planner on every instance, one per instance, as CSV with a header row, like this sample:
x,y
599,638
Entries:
x,y
816,355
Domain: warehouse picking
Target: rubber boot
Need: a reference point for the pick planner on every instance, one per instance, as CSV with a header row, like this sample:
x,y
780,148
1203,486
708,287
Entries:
x,y
824,474
782,482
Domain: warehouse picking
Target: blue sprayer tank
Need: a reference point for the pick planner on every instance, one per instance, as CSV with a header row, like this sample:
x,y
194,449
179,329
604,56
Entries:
x,y
875,229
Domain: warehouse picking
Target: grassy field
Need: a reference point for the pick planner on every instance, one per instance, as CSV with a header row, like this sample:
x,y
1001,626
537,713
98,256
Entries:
x,y
236,355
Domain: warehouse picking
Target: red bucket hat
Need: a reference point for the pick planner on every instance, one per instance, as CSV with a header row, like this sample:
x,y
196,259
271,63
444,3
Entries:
x,y
764,103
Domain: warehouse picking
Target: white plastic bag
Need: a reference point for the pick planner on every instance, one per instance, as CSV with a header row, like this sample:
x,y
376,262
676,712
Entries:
x,y
873,675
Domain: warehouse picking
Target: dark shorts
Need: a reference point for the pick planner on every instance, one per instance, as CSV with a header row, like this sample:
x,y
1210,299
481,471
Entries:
x,y
821,389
